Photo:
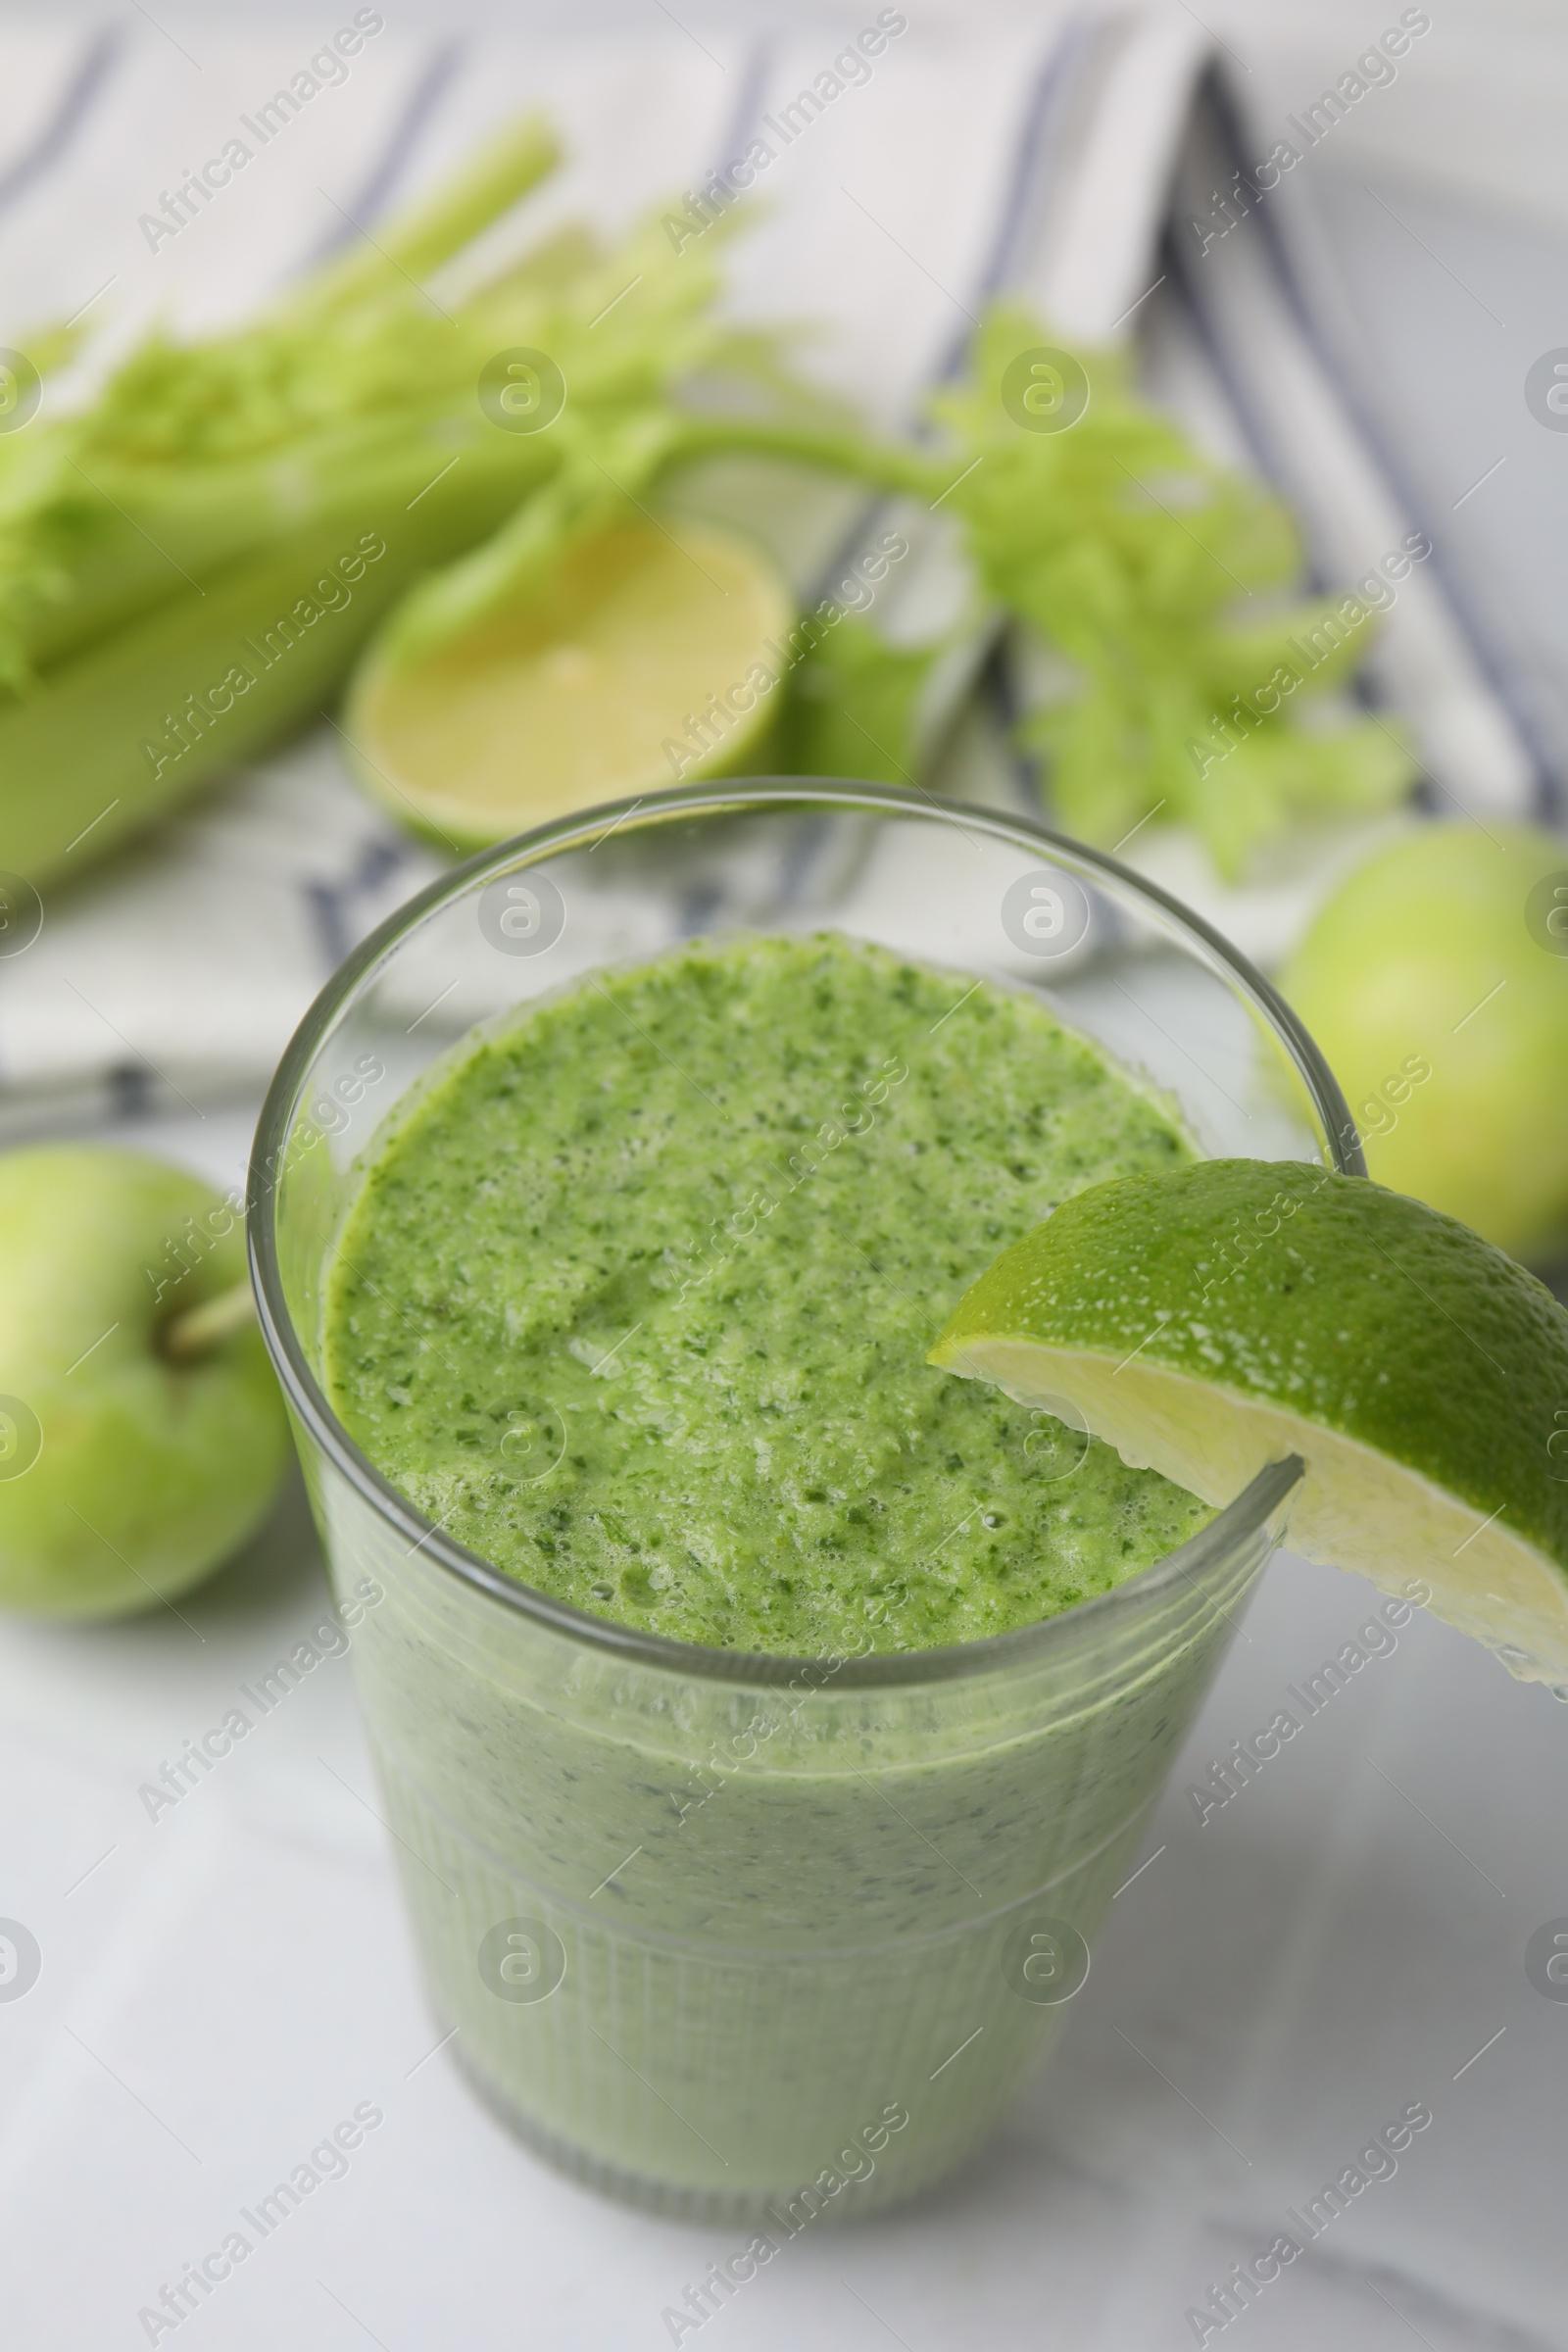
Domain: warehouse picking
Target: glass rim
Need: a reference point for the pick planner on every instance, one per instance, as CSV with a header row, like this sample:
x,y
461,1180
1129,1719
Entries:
x,y
1245,1516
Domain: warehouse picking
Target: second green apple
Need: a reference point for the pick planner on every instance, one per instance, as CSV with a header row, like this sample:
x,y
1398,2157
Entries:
x,y
1436,982
130,1466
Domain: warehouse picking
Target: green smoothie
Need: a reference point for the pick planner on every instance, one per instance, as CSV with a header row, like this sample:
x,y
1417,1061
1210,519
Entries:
x,y
637,1299
633,1297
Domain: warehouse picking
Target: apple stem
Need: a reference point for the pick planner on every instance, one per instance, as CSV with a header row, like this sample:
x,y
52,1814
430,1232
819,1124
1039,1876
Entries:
x,y
190,1335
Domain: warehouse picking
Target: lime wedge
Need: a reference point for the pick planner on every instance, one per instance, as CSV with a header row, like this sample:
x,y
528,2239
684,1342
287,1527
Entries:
x,y
1225,1315
652,659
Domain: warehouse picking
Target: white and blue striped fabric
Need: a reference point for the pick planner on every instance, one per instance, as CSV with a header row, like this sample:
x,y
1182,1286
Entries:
x,y
1076,162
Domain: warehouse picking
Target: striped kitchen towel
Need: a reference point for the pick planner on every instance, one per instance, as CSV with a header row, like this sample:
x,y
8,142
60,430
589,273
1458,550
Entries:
x,y
1098,165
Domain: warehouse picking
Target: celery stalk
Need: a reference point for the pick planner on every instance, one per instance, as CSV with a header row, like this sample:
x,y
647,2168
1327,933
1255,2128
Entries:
x,y
420,240
195,500
116,737
149,544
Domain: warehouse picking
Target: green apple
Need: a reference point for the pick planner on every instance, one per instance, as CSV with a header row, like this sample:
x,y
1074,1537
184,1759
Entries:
x,y
140,1445
1436,982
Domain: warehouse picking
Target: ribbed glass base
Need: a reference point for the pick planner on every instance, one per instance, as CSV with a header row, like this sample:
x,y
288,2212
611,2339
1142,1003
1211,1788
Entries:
x,y
782,2215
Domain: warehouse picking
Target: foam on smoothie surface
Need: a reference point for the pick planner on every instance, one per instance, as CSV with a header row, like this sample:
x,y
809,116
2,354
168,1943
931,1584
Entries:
x,y
635,1300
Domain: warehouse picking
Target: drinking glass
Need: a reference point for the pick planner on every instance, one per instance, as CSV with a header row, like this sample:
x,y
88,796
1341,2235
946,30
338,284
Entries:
x,y
742,1935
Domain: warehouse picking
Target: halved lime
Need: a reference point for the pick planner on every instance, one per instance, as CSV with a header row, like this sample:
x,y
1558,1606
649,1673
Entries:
x,y
1231,1313
655,657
